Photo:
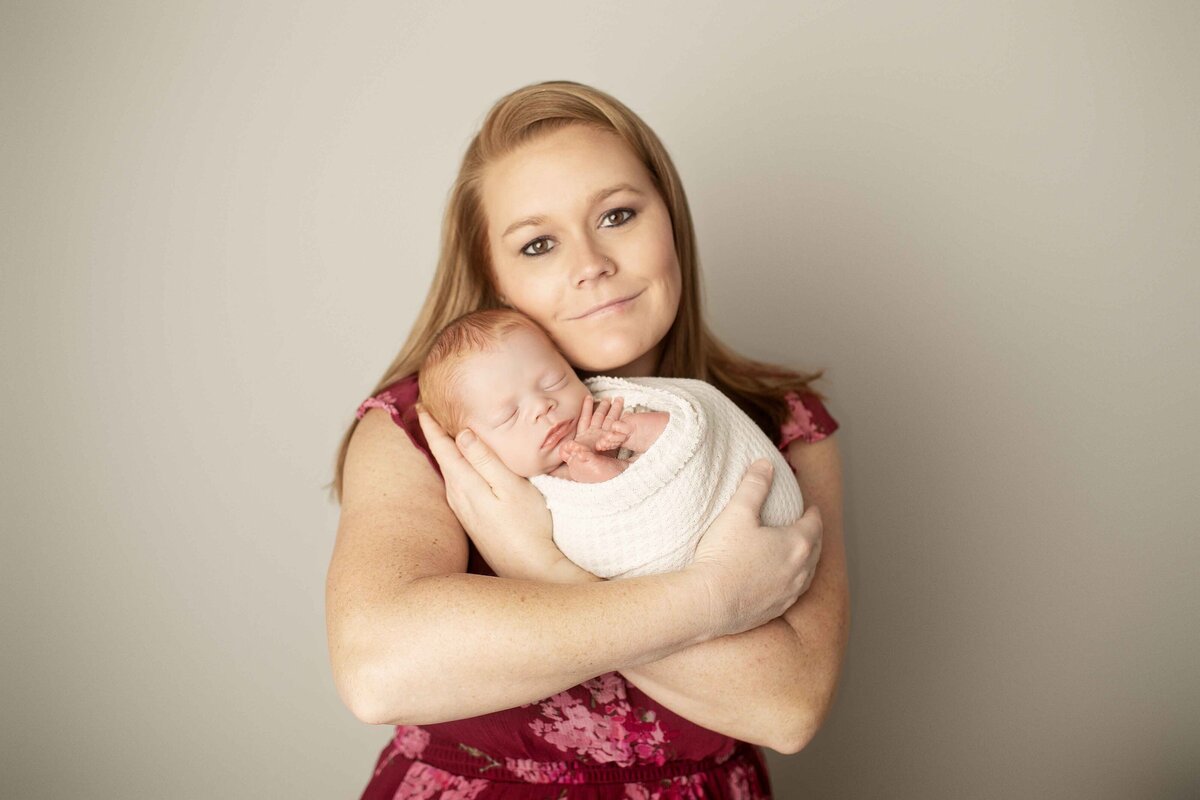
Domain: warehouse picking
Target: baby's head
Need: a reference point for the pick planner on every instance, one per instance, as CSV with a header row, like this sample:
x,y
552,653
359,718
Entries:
x,y
497,373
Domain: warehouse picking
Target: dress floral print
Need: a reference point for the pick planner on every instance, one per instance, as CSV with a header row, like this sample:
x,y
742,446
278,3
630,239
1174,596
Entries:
x,y
605,730
601,740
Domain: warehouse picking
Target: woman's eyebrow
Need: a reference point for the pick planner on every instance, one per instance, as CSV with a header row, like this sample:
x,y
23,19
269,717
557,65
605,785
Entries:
x,y
603,193
596,198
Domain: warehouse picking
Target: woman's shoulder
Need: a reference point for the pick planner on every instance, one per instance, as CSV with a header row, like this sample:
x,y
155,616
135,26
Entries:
x,y
399,399
808,420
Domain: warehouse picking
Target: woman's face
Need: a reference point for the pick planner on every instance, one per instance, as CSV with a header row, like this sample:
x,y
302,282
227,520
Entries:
x,y
581,242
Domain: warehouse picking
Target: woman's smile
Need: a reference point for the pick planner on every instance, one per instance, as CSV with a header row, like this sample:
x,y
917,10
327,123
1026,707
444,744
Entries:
x,y
609,307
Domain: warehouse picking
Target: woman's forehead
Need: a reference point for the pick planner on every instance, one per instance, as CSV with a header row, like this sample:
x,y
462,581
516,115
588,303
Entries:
x,y
559,173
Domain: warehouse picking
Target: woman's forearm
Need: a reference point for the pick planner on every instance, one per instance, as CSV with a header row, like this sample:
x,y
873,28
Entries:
x,y
460,645
759,686
772,685
747,686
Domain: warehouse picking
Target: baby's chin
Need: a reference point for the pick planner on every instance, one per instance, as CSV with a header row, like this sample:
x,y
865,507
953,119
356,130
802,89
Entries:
x,y
553,461
544,468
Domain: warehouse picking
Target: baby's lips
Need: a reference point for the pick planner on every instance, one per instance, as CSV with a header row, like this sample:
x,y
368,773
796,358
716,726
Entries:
x,y
563,432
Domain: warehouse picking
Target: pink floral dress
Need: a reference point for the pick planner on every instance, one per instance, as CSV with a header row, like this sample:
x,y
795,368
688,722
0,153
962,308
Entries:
x,y
601,740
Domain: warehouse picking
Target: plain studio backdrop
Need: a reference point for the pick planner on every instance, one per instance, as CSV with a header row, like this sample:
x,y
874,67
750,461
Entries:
x,y
982,219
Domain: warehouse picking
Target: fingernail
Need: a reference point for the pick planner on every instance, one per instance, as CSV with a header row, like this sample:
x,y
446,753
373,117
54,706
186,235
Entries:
x,y
466,438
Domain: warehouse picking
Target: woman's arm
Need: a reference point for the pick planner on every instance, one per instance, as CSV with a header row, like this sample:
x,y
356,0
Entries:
x,y
781,676
415,640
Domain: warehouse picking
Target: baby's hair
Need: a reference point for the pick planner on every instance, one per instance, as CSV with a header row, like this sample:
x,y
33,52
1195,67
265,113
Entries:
x,y
476,332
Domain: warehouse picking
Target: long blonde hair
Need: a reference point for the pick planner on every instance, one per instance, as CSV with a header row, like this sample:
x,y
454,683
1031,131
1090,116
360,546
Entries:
x,y
463,282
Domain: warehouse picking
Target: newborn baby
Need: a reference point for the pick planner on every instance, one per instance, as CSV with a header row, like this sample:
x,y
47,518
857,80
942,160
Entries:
x,y
497,373
630,492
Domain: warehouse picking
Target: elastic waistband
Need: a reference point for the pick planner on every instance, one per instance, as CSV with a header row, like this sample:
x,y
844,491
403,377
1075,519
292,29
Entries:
x,y
466,761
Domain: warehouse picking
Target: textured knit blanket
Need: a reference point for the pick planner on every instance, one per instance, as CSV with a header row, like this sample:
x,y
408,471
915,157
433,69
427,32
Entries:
x,y
649,518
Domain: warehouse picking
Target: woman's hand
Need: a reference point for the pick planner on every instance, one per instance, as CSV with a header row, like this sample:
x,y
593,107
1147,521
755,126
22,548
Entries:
x,y
505,516
754,573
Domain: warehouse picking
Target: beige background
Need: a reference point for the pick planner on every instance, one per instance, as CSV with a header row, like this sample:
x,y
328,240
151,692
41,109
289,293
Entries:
x,y
982,218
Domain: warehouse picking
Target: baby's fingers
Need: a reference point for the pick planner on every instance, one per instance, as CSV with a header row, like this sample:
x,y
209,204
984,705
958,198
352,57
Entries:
x,y
614,413
585,416
610,440
599,415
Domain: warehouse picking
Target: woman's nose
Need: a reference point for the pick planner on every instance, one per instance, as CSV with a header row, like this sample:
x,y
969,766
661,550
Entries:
x,y
591,264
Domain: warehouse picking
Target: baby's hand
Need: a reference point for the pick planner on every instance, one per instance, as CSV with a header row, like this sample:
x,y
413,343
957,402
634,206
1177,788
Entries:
x,y
600,426
615,437
586,466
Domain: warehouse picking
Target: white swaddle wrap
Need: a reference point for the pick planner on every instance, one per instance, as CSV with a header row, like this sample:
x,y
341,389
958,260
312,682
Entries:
x,y
649,518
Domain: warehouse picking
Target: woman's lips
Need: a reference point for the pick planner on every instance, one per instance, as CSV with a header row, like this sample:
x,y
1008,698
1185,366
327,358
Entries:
x,y
557,433
612,305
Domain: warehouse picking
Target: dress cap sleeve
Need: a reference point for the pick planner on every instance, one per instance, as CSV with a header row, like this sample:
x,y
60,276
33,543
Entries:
x,y
809,421
398,400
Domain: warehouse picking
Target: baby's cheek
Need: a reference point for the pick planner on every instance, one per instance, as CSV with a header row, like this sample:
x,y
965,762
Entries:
x,y
576,401
498,447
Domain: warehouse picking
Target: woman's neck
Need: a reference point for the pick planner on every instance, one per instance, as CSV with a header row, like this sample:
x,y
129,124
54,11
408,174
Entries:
x,y
644,366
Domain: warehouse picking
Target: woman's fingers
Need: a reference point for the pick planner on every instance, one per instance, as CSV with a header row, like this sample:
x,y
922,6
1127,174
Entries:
x,y
812,530
755,486
441,445
811,526
456,469
499,478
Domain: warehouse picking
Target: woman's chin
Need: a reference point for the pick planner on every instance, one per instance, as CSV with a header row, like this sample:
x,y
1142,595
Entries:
x,y
623,358
615,367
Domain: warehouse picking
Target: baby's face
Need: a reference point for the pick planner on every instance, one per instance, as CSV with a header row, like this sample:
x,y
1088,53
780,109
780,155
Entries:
x,y
523,401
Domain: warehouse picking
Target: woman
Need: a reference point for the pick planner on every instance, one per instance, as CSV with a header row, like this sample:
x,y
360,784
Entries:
x,y
442,616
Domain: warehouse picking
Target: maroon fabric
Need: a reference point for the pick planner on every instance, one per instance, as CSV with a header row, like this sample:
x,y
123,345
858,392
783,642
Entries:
x,y
601,740
810,421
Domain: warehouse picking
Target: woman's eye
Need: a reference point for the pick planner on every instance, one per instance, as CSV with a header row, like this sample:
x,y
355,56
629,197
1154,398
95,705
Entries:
x,y
538,247
617,217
